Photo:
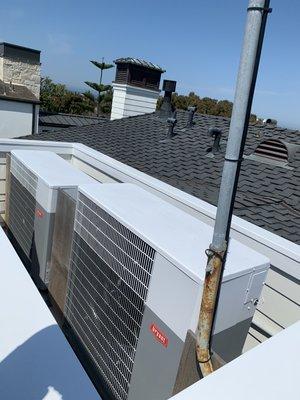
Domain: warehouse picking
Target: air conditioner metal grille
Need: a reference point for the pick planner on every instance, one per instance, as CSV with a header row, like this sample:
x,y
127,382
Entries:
x,y
107,287
24,175
21,216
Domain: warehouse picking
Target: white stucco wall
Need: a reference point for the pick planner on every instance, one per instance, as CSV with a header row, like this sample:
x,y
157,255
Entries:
x,y
15,119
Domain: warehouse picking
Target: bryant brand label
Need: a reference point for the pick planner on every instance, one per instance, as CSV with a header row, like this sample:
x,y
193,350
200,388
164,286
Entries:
x,y
39,213
159,335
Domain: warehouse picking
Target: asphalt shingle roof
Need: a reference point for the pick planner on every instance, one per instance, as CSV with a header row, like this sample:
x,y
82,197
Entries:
x,y
16,92
268,195
54,121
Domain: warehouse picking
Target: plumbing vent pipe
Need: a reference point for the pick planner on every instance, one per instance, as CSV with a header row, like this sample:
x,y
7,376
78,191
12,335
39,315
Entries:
x,y
269,121
216,133
191,111
171,125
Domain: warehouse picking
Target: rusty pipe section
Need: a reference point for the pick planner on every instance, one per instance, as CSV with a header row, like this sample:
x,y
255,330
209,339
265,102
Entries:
x,y
213,276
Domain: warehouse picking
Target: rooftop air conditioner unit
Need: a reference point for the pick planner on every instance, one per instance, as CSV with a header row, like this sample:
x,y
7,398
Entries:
x,y
34,180
135,284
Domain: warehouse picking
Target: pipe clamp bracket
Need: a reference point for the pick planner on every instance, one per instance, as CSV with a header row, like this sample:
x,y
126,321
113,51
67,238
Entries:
x,y
264,10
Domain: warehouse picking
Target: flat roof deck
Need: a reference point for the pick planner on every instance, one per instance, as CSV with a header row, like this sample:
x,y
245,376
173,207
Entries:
x,y
36,361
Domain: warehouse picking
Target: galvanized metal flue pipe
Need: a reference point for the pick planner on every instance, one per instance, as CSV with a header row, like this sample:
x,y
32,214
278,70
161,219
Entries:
x,y
253,37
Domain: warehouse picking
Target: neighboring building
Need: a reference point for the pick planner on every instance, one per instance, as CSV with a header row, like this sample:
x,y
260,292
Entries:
x,y
19,90
136,87
49,122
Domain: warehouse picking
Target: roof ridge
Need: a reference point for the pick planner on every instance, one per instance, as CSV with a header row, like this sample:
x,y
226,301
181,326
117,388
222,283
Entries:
x,y
73,115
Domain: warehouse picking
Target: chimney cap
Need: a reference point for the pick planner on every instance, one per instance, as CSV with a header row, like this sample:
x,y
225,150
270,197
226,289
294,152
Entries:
x,y
213,131
169,86
21,52
139,62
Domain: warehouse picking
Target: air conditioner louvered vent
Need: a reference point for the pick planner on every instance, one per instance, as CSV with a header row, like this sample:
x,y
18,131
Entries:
x,y
107,287
273,149
27,179
21,214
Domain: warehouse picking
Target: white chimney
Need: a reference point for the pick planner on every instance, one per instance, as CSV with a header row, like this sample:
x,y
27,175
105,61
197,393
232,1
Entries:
x,y
136,87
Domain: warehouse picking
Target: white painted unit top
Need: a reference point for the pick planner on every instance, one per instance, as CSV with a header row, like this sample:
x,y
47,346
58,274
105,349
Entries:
x,y
259,374
177,235
36,361
52,169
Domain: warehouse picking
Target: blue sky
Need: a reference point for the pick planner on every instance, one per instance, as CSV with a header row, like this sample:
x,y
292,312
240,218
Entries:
x,y
198,42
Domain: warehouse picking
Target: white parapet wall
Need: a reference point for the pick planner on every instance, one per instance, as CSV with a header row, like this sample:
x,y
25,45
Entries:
x,y
279,305
131,100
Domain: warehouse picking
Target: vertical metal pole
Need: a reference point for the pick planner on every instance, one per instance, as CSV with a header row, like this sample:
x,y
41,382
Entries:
x,y
253,38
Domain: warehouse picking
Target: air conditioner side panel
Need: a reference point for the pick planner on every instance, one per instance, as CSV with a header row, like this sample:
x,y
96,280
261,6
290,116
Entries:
x,y
156,361
169,309
61,247
173,296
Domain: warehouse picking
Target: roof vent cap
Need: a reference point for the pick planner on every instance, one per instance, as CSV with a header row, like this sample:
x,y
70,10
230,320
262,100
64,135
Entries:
x,y
269,121
172,121
216,133
191,111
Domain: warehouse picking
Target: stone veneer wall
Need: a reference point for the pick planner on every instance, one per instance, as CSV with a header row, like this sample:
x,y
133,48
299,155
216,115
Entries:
x,y
22,73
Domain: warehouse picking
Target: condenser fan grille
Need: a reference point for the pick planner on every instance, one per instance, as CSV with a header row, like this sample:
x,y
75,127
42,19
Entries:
x,y
107,288
27,179
21,216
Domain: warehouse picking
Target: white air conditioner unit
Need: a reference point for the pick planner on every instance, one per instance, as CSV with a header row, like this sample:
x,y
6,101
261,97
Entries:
x,y
35,178
135,284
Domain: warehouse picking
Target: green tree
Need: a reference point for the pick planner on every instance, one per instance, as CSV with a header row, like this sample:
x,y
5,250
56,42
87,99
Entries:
x,y
205,105
55,97
51,95
102,90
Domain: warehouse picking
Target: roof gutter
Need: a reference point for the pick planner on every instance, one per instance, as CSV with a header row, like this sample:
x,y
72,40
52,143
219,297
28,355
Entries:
x,y
19,100
253,39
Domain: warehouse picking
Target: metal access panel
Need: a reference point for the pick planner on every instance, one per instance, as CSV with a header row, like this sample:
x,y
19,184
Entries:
x,y
135,285
35,177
